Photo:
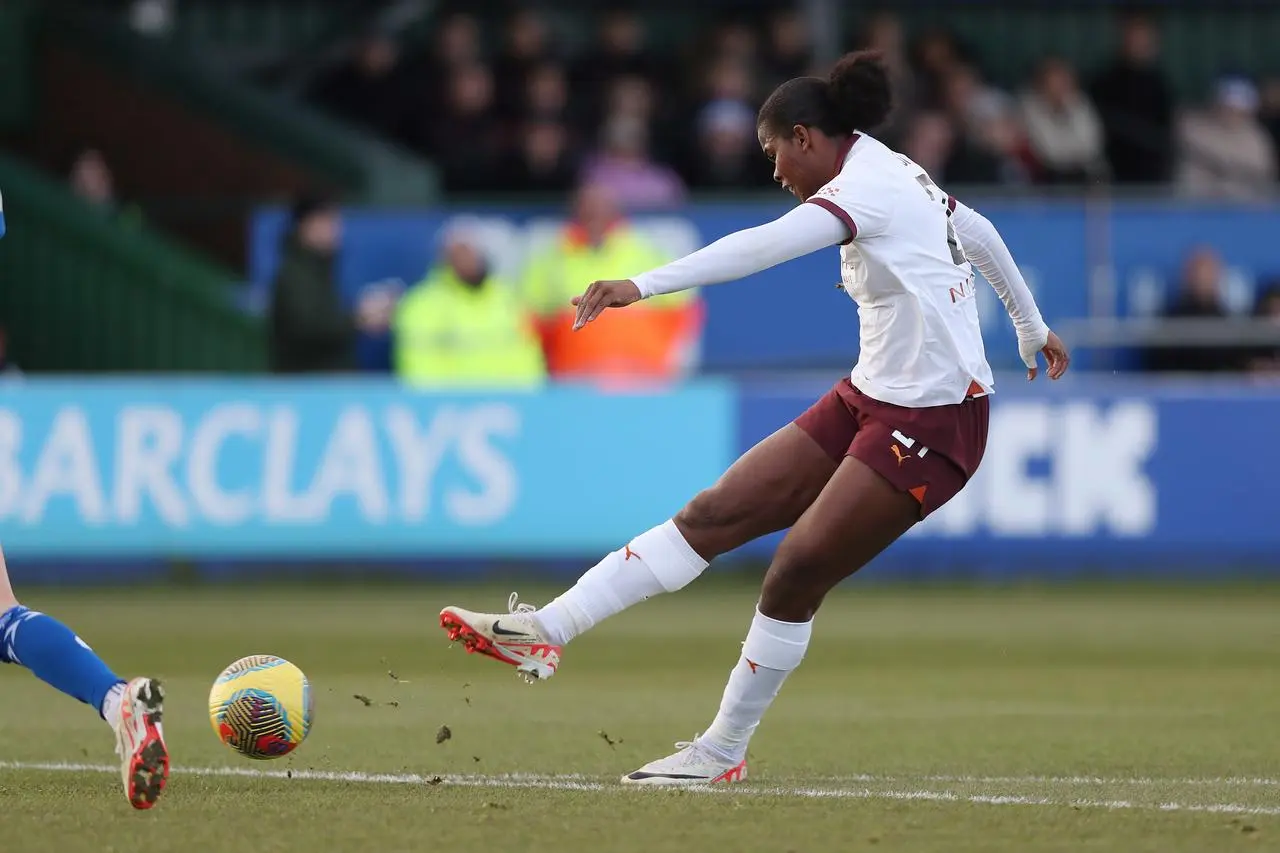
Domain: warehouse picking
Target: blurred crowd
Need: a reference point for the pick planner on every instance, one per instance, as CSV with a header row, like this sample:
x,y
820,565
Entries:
x,y
626,127
464,323
513,112
1204,293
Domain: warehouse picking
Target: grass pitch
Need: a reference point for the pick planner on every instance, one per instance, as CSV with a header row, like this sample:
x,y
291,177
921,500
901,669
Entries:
x,y
923,720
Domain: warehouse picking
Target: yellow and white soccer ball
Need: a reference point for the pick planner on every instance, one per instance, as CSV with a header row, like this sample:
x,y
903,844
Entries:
x,y
261,706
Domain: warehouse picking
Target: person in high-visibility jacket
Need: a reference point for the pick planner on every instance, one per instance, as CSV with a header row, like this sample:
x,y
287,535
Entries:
x,y
657,342
463,326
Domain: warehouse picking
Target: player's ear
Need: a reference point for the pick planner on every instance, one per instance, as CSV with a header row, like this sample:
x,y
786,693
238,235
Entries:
x,y
801,135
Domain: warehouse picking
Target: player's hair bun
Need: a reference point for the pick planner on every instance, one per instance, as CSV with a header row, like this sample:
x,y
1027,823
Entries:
x,y
859,92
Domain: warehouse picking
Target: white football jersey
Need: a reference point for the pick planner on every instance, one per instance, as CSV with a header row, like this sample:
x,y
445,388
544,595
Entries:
x,y
907,271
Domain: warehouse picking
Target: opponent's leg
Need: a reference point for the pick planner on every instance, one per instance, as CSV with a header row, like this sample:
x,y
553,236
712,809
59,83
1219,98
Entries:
x,y
58,657
764,491
855,517
52,652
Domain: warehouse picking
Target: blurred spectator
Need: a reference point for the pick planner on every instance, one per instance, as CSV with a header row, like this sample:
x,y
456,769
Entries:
x,y
1135,103
1062,128
618,51
730,80
727,154
932,143
1266,359
1270,114
464,138
1224,150
723,151
623,164
543,161
546,95
369,89
457,43
311,329
546,92
990,145
884,33
652,340
461,325
631,96
934,56
153,18
91,180
1200,296
788,50
929,142
734,41
527,47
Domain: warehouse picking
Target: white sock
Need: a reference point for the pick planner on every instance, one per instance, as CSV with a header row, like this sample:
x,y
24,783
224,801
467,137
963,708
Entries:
x,y
111,703
656,561
772,649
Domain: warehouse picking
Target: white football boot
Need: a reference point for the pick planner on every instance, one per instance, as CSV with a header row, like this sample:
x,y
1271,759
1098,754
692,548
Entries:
x,y
691,764
513,637
144,759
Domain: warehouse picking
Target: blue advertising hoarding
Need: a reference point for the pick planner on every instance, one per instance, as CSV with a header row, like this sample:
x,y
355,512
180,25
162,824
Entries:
x,y
1126,477
331,469
1080,259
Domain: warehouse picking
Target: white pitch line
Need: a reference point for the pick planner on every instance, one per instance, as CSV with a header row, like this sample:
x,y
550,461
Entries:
x,y
581,783
1135,781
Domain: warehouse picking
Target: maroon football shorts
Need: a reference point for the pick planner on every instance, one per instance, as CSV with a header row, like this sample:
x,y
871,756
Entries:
x,y
929,453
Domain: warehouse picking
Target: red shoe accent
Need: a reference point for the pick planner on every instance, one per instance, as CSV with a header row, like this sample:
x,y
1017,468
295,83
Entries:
x,y
148,769
474,642
733,774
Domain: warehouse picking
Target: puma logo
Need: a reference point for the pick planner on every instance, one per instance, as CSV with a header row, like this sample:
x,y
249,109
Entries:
x,y
751,664
628,553
897,452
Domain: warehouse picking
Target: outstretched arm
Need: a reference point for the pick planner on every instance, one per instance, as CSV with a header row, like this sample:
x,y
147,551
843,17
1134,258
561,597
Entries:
x,y
985,248
801,231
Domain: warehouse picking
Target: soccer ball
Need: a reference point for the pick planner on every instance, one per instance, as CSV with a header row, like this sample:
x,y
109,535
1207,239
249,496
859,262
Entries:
x,y
261,706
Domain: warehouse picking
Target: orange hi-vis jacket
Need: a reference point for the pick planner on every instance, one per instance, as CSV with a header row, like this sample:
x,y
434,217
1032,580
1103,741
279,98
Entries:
x,y
652,340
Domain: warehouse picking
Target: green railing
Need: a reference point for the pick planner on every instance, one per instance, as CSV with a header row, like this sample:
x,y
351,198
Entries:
x,y
81,291
15,62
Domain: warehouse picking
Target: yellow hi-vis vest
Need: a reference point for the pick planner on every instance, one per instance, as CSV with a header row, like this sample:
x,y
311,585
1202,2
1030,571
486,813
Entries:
x,y
447,333
565,268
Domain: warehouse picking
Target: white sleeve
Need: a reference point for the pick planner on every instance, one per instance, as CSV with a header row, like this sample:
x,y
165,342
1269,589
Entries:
x,y
984,247
805,229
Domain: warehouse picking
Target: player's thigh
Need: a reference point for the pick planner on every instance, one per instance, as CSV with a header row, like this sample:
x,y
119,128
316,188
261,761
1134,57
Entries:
x,y
856,516
766,490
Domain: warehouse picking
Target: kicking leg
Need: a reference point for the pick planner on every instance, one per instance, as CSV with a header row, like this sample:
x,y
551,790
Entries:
x,y
55,655
764,491
855,517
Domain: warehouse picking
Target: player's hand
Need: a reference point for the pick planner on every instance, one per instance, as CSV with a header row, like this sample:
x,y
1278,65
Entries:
x,y
601,295
1055,354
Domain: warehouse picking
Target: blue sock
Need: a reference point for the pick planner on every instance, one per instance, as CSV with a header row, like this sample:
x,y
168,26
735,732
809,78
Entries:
x,y
55,655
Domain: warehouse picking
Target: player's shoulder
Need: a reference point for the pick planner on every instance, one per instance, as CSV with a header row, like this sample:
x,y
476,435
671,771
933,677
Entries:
x,y
870,160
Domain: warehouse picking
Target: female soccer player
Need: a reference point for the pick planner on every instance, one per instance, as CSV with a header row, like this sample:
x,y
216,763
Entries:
x,y
133,709
885,447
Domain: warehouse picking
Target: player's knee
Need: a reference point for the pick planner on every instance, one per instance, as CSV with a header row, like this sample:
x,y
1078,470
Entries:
x,y
708,521
705,512
796,582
